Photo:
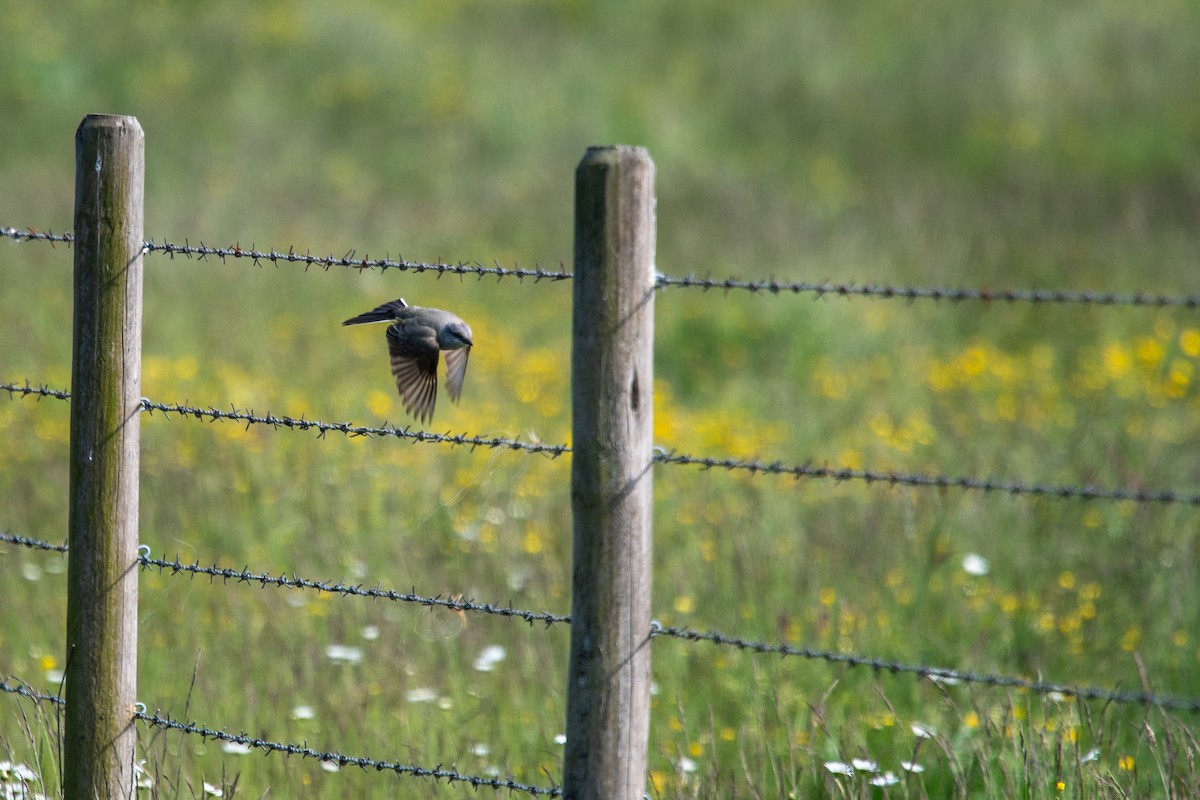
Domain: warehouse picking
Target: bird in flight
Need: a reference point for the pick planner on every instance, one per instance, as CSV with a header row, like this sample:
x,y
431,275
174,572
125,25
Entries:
x,y
415,338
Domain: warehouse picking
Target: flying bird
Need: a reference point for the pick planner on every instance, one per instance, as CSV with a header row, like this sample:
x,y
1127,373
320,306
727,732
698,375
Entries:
x,y
415,338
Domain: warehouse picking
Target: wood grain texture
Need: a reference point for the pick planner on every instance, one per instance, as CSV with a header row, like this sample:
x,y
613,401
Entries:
x,y
101,647
612,375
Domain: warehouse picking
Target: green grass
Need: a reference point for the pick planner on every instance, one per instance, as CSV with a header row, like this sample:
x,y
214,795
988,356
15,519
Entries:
x,y
1015,145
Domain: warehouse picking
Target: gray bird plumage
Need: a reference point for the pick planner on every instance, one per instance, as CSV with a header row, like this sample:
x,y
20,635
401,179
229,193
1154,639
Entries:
x,y
415,338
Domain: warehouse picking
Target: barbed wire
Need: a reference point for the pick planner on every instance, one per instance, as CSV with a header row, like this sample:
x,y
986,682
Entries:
x,y
293,582
753,466
943,674
350,429
437,773
656,629
21,688
35,235
910,293
350,260
27,389
930,480
34,544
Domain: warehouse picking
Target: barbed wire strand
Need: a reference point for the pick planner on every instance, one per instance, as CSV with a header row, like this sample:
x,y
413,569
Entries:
x,y
820,289
437,773
34,544
39,392
293,582
948,293
225,575
350,260
21,688
753,466
301,424
934,673
656,629
930,480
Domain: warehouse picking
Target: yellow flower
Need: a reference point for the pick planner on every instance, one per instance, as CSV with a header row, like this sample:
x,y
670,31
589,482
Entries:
x,y
1189,342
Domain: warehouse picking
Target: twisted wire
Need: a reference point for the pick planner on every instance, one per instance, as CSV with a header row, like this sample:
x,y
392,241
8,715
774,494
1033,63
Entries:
x,y
27,389
437,773
931,672
34,544
350,260
301,424
936,293
930,480
22,689
845,289
656,629
293,582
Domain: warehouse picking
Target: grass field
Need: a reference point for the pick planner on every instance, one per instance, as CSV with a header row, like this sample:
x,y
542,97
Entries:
x,y
987,145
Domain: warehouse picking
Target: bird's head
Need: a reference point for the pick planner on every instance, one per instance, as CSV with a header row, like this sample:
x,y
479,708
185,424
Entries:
x,y
454,336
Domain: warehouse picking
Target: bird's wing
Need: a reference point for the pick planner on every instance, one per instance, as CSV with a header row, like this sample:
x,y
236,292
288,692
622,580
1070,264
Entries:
x,y
380,313
456,371
414,354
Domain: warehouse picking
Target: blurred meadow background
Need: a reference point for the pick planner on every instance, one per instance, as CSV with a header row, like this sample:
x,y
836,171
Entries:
x,y
1000,145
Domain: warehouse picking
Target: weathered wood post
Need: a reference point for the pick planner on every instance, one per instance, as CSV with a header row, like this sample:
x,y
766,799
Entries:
x,y
101,657
612,379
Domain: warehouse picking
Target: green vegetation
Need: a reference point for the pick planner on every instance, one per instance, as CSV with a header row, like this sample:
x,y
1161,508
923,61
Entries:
x,y
1002,145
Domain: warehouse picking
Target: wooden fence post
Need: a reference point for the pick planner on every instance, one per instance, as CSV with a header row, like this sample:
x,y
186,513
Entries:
x,y
612,380
101,657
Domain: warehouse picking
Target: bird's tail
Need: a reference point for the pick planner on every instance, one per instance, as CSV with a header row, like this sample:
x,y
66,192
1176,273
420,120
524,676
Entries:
x,y
385,312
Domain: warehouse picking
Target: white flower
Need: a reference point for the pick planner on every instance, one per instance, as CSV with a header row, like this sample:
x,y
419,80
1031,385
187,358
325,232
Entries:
x,y
303,712
18,772
838,768
886,779
1090,756
923,731
492,655
235,748
975,564
480,749
912,766
560,738
687,765
344,654
370,632
864,764
421,695
330,766
215,791
142,779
